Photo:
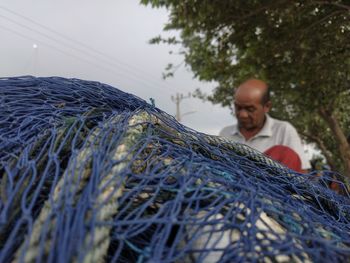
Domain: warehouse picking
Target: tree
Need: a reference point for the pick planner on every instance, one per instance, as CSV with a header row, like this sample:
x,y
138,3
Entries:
x,y
301,48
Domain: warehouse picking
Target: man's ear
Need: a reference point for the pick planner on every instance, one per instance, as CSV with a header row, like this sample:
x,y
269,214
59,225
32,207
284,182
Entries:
x,y
267,106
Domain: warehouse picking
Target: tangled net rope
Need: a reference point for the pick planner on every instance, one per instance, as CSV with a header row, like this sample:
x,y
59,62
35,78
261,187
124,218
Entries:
x,y
89,173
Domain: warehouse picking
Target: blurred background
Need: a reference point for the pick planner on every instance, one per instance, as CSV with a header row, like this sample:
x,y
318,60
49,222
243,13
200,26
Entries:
x,y
107,42
301,48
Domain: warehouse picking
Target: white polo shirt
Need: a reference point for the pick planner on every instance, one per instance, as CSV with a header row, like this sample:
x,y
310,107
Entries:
x,y
274,132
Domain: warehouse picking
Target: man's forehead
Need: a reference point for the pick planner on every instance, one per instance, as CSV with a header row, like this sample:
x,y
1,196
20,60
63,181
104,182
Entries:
x,y
248,95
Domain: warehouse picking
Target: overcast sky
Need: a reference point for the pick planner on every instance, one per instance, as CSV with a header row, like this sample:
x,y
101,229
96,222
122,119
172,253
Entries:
x,y
104,41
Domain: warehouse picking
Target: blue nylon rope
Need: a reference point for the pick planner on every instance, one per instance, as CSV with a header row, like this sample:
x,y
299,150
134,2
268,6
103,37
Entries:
x,y
181,198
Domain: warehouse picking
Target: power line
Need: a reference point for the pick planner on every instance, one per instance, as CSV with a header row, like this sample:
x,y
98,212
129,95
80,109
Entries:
x,y
49,46
64,44
106,58
65,52
102,67
69,38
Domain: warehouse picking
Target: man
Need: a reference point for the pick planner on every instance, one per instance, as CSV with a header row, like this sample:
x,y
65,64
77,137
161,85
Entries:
x,y
258,130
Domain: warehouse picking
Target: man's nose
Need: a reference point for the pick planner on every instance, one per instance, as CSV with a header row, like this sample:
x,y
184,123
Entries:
x,y
242,114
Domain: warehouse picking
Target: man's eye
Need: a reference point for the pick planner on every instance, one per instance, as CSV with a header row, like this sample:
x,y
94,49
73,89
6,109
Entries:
x,y
249,109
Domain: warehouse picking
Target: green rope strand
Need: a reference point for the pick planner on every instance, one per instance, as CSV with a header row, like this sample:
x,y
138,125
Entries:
x,y
83,163
100,240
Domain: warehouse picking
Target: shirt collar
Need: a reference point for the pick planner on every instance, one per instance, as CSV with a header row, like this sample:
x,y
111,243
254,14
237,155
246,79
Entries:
x,y
235,130
266,130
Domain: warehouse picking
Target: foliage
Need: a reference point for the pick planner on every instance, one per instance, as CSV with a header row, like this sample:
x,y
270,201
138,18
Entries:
x,y
301,48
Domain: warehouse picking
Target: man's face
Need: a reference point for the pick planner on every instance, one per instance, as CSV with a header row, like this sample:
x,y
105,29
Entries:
x,y
249,110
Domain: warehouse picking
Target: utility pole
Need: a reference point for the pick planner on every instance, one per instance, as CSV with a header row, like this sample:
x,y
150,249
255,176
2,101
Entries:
x,y
177,99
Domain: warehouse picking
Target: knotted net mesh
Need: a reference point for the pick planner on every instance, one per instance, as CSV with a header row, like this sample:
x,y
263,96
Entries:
x,y
89,173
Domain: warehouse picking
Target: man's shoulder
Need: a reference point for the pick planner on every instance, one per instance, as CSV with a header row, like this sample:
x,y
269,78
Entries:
x,y
282,125
228,130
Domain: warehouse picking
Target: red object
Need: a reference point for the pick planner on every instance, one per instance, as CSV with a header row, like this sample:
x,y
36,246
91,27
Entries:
x,y
286,156
336,187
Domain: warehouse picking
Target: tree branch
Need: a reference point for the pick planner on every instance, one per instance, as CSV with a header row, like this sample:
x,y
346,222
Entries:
x,y
323,19
347,7
323,148
340,137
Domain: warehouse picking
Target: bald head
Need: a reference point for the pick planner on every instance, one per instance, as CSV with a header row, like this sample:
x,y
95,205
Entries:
x,y
253,89
251,102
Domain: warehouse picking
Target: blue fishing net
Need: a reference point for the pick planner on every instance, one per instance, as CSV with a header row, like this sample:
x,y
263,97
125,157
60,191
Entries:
x,y
89,173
